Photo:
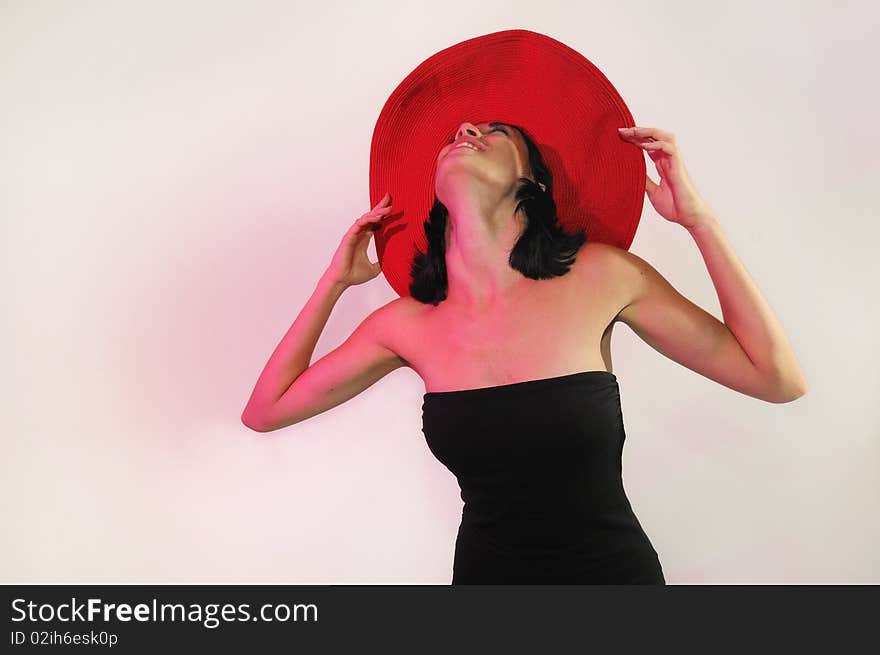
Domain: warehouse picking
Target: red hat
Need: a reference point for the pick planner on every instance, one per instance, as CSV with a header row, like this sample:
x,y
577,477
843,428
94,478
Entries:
x,y
562,100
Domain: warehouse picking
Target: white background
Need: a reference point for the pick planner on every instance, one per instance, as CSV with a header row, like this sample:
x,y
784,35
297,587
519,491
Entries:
x,y
177,175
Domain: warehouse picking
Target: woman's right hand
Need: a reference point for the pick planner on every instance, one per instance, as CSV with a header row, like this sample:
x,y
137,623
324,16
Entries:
x,y
350,265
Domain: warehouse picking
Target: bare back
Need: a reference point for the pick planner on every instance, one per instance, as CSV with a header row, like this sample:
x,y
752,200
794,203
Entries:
x,y
558,326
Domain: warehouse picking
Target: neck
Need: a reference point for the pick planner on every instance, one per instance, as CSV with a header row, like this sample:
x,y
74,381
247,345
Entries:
x,y
478,246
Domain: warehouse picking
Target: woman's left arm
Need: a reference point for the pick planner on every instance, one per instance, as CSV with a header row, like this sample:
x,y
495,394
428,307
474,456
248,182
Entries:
x,y
747,314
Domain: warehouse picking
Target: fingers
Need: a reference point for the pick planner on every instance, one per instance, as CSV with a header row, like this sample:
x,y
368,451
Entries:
x,y
651,139
648,133
371,219
668,148
385,199
374,216
378,212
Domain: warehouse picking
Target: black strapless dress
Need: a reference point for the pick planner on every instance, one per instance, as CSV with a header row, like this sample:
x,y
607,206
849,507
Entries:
x,y
539,466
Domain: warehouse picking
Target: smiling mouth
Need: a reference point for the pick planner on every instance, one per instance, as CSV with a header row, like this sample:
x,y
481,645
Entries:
x,y
463,148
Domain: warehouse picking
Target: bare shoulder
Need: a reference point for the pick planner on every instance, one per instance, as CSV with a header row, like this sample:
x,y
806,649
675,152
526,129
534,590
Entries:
x,y
399,310
390,322
635,276
613,268
603,254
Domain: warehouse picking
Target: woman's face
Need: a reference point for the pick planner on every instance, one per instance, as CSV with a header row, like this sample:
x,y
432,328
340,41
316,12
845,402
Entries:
x,y
500,160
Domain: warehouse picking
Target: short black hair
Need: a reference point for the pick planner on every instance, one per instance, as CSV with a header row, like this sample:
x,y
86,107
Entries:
x,y
544,250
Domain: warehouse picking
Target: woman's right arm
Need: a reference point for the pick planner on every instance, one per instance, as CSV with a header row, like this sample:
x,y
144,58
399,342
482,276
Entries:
x,y
289,390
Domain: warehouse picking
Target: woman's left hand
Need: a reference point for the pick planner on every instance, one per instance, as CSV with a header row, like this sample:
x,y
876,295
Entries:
x,y
675,198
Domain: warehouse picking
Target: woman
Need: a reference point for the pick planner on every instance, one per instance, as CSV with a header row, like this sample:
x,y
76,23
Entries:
x,y
509,323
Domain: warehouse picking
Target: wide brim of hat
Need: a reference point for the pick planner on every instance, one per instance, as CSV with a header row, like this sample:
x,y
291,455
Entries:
x,y
562,101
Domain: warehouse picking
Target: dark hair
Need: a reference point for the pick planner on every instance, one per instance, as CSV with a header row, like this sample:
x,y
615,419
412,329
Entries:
x,y
544,250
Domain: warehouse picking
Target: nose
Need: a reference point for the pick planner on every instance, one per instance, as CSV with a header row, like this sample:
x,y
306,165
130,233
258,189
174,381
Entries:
x,y
467,128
